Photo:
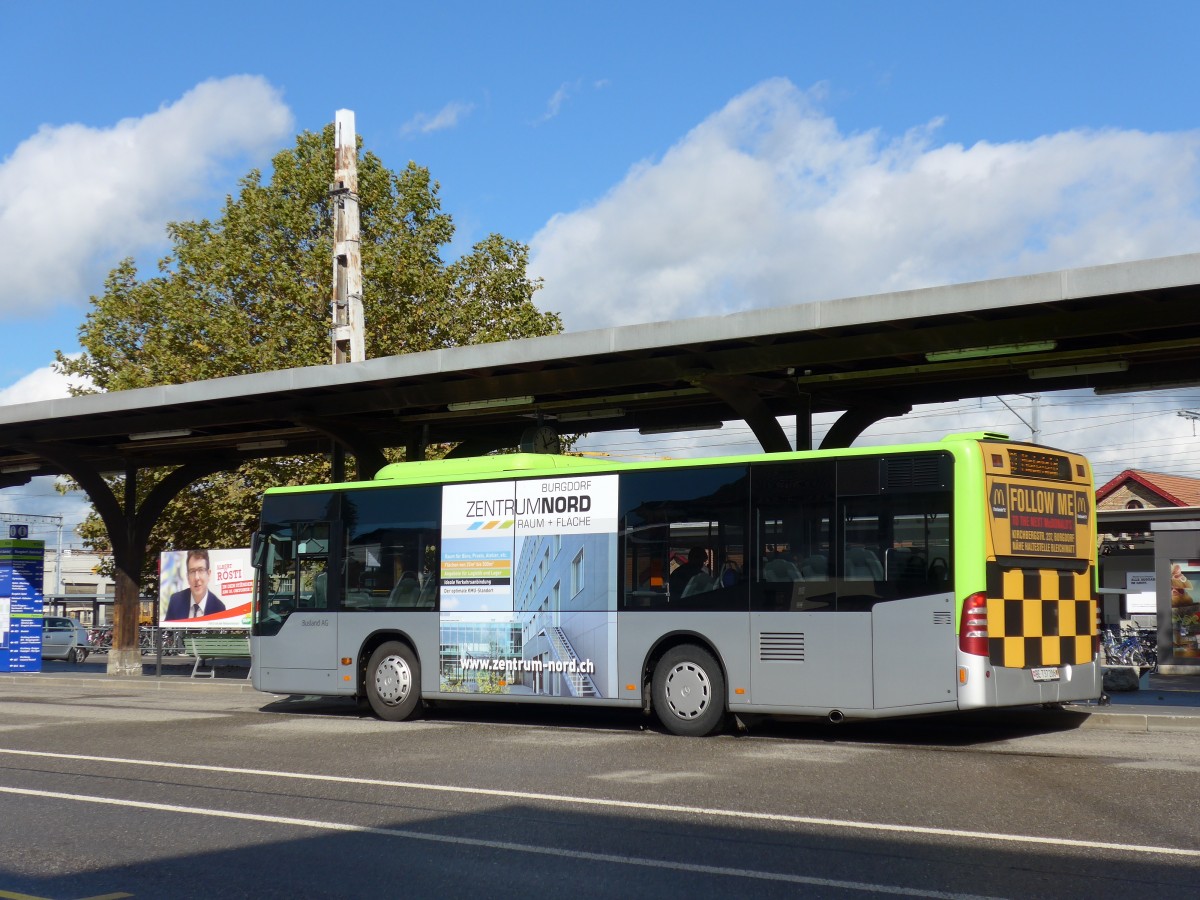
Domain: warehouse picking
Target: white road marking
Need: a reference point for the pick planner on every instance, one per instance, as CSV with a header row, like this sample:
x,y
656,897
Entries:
x,y
688,868
646,776
569,800
59,715
287,729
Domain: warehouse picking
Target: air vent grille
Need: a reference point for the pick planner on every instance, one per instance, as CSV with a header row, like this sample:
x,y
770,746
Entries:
x,y
912,472
943,617
781,646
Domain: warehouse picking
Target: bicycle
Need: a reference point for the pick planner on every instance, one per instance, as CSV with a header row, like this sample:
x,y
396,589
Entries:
x,y
172,644
1123,651
1148,640
146,637
100,640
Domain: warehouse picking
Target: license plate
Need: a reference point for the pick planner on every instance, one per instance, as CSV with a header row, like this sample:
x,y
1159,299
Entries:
x,y
1050,674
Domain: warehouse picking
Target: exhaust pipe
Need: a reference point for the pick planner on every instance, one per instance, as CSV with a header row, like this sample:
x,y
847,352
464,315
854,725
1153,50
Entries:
x,y
836,717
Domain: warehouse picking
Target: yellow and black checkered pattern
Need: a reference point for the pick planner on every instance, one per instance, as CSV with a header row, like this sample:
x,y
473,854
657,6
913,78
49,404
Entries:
x,y
1040,617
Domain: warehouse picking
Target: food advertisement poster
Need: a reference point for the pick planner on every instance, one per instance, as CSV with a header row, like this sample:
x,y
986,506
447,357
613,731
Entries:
x,y
1185,608
1035,519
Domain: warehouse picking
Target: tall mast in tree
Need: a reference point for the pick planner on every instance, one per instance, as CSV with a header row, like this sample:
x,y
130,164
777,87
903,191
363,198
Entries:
x,y
348,326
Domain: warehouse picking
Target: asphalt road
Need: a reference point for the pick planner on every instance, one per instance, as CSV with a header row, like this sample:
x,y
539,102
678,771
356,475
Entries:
x,y
225,793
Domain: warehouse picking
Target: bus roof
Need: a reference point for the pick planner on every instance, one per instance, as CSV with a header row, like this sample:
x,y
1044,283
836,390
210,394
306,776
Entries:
x,y
509,465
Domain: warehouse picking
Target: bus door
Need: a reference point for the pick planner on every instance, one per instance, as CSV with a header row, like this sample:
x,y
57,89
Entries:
x,y
897,561
804,652
297,606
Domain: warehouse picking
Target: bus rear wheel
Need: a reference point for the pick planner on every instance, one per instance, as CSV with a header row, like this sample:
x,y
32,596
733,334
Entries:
x,y
394,682
689,691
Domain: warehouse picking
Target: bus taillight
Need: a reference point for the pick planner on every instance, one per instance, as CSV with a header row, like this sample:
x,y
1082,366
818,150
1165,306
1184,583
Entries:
x,y
973,635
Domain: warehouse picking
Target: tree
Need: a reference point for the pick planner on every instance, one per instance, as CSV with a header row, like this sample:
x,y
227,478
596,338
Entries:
x,y
250,292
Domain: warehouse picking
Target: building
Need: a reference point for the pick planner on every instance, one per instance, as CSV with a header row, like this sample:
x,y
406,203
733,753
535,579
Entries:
x,y
73,586
1149,535
1137,489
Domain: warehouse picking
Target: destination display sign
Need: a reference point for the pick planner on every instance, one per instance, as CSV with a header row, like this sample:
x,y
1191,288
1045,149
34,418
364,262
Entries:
x,y
1030,464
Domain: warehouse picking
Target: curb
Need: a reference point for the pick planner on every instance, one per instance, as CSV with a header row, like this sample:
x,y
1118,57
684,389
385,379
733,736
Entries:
x,y
1138,722
136,682
1141,724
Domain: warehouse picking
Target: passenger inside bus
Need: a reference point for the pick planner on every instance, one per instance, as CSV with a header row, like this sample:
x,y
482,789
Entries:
x,y
731,573
691,577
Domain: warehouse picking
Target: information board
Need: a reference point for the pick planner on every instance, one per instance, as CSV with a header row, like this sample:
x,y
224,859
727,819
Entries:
x,y
22,567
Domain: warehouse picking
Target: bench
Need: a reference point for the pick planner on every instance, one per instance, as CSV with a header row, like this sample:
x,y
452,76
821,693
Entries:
x,y
212,647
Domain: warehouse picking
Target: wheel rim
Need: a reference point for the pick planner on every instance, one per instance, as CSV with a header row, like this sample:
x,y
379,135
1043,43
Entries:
x,y
688,690
393,680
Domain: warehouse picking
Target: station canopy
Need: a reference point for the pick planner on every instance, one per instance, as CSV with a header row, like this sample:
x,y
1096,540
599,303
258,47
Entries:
x,y
1123,327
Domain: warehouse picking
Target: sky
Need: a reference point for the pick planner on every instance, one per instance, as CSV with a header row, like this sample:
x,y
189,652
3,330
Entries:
x,y
662,161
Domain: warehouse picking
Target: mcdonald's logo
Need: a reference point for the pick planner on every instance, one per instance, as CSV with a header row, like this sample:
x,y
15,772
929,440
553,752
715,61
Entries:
x,y
1082,507
999,501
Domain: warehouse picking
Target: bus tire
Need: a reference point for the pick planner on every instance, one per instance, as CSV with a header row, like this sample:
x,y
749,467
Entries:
x,y
394,682
689,691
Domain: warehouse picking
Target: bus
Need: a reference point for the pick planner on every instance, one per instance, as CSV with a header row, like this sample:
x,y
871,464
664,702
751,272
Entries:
x,y
843,584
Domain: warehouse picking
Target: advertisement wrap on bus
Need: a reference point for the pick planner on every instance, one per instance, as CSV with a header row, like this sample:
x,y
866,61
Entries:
x,y
498,541
849,583
1041,609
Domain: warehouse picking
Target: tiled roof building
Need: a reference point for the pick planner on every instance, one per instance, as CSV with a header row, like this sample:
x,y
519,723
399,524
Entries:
x,y
1137,489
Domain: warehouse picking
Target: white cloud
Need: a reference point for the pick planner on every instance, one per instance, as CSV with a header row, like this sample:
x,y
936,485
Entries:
x,y
767,203
75,199
41,384
555,104
565,93
446,117
39,496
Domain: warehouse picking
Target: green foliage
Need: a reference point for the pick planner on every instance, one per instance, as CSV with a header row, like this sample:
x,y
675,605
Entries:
x,y
250,292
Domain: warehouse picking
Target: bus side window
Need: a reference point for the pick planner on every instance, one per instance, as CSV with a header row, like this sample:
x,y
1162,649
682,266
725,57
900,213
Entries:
x,y
894,546
314,584
793,516
682,539
391,556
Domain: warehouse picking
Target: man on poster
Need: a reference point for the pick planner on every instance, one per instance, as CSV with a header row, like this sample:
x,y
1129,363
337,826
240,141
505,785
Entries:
x,y
196,600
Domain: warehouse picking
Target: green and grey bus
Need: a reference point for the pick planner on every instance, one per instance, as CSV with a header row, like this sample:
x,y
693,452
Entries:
x,y
855,583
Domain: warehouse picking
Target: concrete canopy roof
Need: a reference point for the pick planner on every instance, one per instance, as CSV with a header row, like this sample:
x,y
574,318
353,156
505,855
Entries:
x,y
1111,327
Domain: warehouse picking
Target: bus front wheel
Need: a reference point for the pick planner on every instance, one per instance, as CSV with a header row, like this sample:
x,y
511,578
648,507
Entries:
x,y
393,681
689,691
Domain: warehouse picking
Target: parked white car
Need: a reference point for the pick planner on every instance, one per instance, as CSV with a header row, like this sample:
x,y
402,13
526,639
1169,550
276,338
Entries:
x,y
64,638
